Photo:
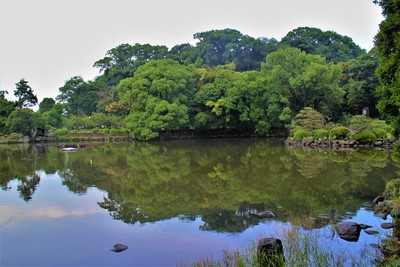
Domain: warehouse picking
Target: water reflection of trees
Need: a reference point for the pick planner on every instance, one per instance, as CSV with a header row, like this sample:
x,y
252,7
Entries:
x,y
220,180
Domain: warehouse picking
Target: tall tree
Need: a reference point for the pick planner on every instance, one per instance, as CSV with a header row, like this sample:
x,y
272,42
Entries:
x,y
329,44
388,45
221,47
302,80
46,104
24,121
122,61
158,96
80,98
25,95
359,81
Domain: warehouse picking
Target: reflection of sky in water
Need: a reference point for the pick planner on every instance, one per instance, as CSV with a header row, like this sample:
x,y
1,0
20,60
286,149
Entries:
x,y
59,228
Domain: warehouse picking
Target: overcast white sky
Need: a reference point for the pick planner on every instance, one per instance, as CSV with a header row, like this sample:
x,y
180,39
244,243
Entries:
x,y
49,41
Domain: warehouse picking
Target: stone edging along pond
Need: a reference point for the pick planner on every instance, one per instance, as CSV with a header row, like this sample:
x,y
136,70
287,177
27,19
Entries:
x,y
346,143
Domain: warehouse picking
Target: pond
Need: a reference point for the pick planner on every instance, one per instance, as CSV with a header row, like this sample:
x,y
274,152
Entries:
x,y
177,202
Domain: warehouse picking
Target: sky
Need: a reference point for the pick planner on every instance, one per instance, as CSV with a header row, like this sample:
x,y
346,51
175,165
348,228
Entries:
x,y
47,42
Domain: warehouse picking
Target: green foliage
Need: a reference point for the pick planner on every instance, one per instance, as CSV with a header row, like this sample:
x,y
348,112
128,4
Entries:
x,y
161,91
360,122
364,137
359,82
60,132
392,189
309,119
46,105
320,134
24,121
388,45
334,47
339,132
79,97
301,134
25,95
298,80
380,133
221,47
6,107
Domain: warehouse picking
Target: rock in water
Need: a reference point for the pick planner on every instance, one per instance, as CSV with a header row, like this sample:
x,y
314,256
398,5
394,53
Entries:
x,y
371,232
364,226
349,231
388,225
119,247
265,214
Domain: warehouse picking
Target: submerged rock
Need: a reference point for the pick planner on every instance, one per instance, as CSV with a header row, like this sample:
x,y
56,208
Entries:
x,y
119,247
364,226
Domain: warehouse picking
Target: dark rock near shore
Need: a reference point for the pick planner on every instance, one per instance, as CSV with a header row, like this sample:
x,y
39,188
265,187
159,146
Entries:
x,y
264,214
349,231
270,252
381,215
378,199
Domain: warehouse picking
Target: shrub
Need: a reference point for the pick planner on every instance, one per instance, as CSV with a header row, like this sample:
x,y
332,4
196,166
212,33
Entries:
x,y
364,137
321,134
339,132
95,130
392,189
380,133
300,134
105,131
60,132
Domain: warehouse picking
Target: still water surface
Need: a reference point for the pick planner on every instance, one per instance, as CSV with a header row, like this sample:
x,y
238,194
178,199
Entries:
x,y
177,202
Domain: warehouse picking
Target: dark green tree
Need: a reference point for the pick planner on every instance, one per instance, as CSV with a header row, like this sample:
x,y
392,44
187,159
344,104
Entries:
x,y
388,45
221,47
329,44
24,121
6,107
158,97
54,117
46,104
359,81
122,61
80,98
25,95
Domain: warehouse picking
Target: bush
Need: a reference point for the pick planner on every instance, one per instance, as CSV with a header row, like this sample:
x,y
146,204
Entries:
x,y
364,137
95,130
320,134
392,189
105,131
380,133
300,134
60,132
339,132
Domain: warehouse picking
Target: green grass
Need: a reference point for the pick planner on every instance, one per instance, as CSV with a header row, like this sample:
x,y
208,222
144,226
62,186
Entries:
x,y
301,248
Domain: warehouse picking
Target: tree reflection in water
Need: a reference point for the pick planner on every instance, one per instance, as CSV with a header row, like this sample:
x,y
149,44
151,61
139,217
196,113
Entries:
x,y
219,180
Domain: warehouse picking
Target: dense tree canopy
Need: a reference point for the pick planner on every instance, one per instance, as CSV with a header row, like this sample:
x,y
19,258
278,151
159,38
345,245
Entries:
x,y
388,45
331,45
228,82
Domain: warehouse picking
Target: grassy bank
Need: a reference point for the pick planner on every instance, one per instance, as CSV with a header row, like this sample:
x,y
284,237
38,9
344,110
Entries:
x,y
301,248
